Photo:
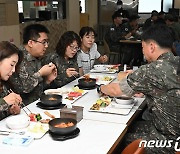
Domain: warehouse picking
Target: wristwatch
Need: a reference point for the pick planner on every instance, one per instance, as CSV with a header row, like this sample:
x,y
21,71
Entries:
x,y
99,88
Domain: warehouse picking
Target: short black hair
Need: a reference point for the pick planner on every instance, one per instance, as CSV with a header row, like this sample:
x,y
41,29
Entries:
x,y
154,13
163,35
85,31
119,2
169,17
133,17
31,32
115,15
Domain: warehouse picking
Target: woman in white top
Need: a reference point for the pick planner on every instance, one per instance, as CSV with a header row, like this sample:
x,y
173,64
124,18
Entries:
x,y
88,53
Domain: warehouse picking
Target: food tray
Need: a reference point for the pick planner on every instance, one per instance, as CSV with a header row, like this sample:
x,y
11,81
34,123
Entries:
x,y
114,108
103,79
110,69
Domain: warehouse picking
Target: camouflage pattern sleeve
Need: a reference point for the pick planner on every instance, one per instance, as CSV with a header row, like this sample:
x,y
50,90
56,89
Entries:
x,y
125,88
145,79
62,78
4,109
29,77
62,65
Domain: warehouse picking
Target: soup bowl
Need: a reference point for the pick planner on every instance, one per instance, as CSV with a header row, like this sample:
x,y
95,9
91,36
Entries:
x,y
124,100
62,126
51,99
87,82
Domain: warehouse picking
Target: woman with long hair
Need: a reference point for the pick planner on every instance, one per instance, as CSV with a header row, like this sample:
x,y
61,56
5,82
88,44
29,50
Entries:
x,y
9,58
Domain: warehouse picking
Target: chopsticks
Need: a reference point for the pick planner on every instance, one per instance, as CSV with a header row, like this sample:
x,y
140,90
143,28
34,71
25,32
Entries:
x,y
74,76
22,104
26,108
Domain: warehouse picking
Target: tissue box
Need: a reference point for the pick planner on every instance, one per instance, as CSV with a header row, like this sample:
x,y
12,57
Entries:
x,y
76,112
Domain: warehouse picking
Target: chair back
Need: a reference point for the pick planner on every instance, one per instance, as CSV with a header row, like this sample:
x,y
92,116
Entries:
x,y
106,47
133,148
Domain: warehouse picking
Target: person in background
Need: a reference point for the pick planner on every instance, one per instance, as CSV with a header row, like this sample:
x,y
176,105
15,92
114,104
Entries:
x,y
160,19
175,25
113,34
132,54
151,21
130,28
80,7
88,51
10,57
33,77
65,59
158,81
122,12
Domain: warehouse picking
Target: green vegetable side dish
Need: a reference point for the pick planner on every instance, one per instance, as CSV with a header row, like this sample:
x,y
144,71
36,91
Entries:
x,y
38,117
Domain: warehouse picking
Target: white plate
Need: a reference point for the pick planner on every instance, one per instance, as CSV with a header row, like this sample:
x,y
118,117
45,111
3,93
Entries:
x,y
107,70
101,79
17,121
67,101
104,71
37,130
58,91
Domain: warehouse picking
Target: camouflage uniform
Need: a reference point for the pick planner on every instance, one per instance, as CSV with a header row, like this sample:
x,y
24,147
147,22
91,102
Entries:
x,y
62,65
28,83
159,82
4,107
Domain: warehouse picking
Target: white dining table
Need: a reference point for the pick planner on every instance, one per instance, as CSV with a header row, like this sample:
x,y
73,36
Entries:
x,y
100,133
90,98
95,137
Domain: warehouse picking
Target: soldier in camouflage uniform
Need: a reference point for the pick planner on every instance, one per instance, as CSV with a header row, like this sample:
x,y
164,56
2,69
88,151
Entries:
x,y
65,59
113,34
159,81
33,77
9,101
132,52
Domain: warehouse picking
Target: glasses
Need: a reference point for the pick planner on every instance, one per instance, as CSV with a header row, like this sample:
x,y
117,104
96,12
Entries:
x,y
45,42
74,48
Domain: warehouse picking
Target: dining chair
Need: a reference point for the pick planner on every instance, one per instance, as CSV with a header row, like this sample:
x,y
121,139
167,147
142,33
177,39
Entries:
x,y
133,148
112,55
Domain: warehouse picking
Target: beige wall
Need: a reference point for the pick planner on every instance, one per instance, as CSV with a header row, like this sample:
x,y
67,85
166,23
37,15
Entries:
x,y
9,13
92,10
10,33
177,4
9,21
56,29
73,15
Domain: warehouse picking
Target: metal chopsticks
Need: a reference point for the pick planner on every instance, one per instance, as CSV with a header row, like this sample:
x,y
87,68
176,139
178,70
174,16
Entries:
x,y
26,108
22,104
74,76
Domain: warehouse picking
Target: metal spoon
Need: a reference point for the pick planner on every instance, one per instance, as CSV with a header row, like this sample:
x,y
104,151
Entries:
x,y
4,132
